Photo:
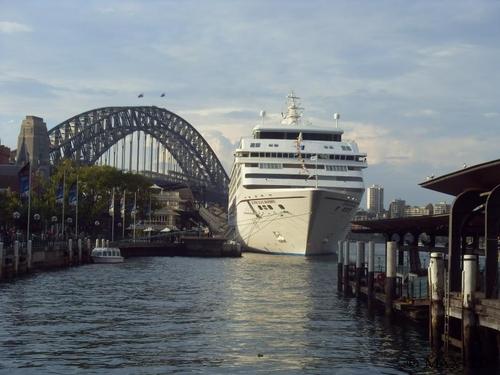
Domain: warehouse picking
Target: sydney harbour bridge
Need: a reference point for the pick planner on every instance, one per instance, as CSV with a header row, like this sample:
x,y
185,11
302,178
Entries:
x,y
144,139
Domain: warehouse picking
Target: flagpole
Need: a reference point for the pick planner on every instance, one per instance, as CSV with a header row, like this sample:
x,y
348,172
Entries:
x,y
124,213
76,218
113,216
64,190
29,203
135,210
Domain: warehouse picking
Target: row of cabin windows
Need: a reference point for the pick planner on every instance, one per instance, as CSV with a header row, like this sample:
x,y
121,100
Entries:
x,y
301,177
295,135
336,168
288,155
107,253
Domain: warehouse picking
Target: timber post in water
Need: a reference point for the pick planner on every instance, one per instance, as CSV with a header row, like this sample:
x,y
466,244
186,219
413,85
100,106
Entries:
x,y
470,330
340,264
360,258
345,274
371,272
436,295
390,276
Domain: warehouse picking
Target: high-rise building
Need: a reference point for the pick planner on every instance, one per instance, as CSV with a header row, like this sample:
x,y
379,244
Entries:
x,y
375,199
397,208
33,145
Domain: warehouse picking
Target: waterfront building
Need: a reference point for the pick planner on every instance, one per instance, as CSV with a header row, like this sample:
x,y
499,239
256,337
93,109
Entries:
x,y
441,208
418,211
4,155
375,199
172,204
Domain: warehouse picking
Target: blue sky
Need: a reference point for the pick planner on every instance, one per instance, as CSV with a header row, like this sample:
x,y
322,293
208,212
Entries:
x,y
416,83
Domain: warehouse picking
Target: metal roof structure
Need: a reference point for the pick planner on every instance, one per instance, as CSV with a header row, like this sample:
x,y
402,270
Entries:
x,y
484,177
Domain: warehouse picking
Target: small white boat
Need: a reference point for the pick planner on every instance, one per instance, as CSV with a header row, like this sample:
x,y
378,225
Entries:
x,y
106,255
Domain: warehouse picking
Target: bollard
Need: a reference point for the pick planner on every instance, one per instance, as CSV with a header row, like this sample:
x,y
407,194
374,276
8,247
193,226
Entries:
x,y
79,251
360,258
97,242
371,270
107,243
470,331
103,243
1,260
70,251
340,265
29,256
345,273
16,257
390,275
435,284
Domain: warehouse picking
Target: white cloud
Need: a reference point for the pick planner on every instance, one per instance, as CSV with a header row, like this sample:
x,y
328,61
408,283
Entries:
x,y
8,27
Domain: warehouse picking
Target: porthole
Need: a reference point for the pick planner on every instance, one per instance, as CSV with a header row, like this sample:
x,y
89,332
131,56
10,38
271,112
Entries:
x,y
281,206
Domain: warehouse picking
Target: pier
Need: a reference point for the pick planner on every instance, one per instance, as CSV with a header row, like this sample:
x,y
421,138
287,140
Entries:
x,y
460,303
25,258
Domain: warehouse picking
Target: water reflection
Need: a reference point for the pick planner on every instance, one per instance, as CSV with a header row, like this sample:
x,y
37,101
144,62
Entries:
x,y
162,315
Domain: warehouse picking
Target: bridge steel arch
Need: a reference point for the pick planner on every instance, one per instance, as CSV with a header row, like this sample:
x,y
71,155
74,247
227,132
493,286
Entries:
x,y
87,136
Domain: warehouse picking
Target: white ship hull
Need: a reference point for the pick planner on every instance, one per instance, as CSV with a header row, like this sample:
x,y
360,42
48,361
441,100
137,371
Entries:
x,y
301,221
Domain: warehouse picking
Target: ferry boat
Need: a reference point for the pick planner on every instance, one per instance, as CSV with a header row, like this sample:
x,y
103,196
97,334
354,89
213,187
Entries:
x,y
294,187
106,255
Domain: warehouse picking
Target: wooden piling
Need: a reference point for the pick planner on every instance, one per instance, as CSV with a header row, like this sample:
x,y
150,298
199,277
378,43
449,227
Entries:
x,y
345,274
70,251
390,275
435,286
16,257
470,329
29,256
360,258
340,264
97,242
79,251
1,260
371,271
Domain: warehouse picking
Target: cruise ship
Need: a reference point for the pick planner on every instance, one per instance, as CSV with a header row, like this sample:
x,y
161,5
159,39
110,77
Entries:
x,y
294,186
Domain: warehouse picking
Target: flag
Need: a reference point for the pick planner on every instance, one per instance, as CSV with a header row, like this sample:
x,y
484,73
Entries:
x,y
24,180
162,95
141,95
122,204
111,209
60,192
73,194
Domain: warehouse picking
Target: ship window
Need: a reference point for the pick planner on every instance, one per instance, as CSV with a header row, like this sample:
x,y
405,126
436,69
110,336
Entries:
x,y
302,147
270,145
273,154
252,165
275,145
342,157
269,206
254,154
260,207
349,157
264,207
281,206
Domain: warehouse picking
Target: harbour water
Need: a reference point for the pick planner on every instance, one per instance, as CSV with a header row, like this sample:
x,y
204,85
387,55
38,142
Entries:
x,y
255,314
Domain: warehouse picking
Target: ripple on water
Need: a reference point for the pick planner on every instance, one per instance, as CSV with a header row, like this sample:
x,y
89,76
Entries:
x,y
259,313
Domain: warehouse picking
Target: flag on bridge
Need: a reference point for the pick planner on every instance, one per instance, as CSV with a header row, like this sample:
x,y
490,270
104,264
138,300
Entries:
x,y
141,95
